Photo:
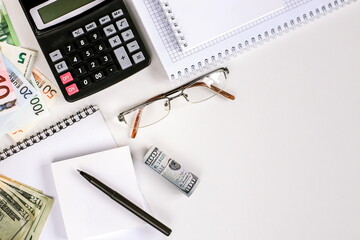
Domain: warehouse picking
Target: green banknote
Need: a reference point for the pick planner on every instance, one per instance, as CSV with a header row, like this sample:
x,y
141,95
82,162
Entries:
x,y
7,32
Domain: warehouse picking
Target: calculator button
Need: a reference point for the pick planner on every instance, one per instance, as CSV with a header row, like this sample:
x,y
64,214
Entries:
x,y
122,24
106,59
117,13
82,42
111,70
85,82
115,41
95,36
93,65
66,78
127,35
104,20
61,67
100,47
79,71
70,48
91,26
138,57
74,60
133,46
55,55
122,58
78,32
72,89
109,30
88,53
98,76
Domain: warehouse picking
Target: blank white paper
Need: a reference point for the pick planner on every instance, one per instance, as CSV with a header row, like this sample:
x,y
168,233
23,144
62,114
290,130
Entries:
x,y
203,20
87,212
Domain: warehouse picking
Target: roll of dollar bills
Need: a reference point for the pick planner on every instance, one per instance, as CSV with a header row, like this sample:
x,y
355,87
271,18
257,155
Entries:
x,y
183,179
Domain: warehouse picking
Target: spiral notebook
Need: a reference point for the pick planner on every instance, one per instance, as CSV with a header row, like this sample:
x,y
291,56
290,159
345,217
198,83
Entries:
x,y
82,133
29,161
160,21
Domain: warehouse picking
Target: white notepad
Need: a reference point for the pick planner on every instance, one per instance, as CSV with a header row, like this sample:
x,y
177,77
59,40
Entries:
x,y
87,212
196,22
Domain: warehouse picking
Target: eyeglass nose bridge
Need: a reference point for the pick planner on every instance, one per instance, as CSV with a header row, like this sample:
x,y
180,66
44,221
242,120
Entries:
x,y
181,94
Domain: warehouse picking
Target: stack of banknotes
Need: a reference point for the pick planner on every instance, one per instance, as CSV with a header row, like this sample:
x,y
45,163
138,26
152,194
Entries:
x,y
23,210
25,94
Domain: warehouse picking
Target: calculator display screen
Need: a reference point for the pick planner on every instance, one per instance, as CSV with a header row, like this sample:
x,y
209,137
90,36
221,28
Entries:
x,y
60,8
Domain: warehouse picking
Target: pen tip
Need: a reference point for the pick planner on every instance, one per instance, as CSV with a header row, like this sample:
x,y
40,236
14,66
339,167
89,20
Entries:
x,y
78,170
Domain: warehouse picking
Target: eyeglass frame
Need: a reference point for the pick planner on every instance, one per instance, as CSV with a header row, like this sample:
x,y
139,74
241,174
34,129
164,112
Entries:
x,y
180,89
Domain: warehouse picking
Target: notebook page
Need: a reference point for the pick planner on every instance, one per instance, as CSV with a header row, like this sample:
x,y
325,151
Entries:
x,y
202,20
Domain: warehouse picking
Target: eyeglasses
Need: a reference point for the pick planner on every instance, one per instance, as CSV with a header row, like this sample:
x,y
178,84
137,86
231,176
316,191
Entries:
x,y
157,108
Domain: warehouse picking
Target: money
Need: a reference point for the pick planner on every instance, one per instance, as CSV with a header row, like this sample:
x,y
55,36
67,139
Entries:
x,y
22,58
7,33
32,106
7,94
49,92
171,170
31,206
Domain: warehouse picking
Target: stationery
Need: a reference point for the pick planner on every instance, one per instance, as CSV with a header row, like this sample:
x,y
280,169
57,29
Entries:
x,y
126,203
30,160
83,206
216,49
185,18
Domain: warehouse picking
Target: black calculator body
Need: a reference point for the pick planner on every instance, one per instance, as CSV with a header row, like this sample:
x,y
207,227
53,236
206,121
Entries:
x,y
88,44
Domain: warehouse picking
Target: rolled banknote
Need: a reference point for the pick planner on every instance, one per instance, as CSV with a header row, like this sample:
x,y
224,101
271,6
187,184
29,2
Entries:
x,y
7,94
171,170
7,32
22,58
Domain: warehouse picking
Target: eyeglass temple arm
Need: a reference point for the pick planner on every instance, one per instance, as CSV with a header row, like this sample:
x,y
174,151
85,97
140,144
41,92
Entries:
x,y
136,123
215,89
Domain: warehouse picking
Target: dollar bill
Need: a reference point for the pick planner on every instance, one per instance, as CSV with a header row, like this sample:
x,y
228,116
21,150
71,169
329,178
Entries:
x,y
37,204
7,32
22,58
14,217
7,95
171,170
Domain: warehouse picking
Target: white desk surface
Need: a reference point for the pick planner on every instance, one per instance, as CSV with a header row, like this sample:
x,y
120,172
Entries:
x,y
280,162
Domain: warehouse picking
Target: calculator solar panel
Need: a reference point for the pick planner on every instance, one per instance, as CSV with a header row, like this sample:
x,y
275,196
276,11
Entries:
x,y
93,50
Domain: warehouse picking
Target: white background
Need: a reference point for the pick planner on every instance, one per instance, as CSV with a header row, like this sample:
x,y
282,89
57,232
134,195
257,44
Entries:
x,y
282,161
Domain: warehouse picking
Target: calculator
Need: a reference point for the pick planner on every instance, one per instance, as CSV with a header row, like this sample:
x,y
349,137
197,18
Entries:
x,y
88,44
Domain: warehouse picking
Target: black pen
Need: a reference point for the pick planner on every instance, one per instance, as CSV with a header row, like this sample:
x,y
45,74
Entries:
x,y
117,197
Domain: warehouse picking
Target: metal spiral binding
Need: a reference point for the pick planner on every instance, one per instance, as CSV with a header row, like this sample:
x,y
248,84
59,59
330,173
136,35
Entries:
x,y
180,37
47,132
260,39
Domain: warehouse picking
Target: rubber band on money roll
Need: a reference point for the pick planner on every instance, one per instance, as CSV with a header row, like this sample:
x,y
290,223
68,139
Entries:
x,y
171,170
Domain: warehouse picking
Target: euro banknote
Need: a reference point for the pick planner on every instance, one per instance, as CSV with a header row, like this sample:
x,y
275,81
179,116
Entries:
x,y
7,95
7,32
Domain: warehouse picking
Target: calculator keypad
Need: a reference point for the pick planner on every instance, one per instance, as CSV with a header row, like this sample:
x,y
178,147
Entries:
x,y
96,51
